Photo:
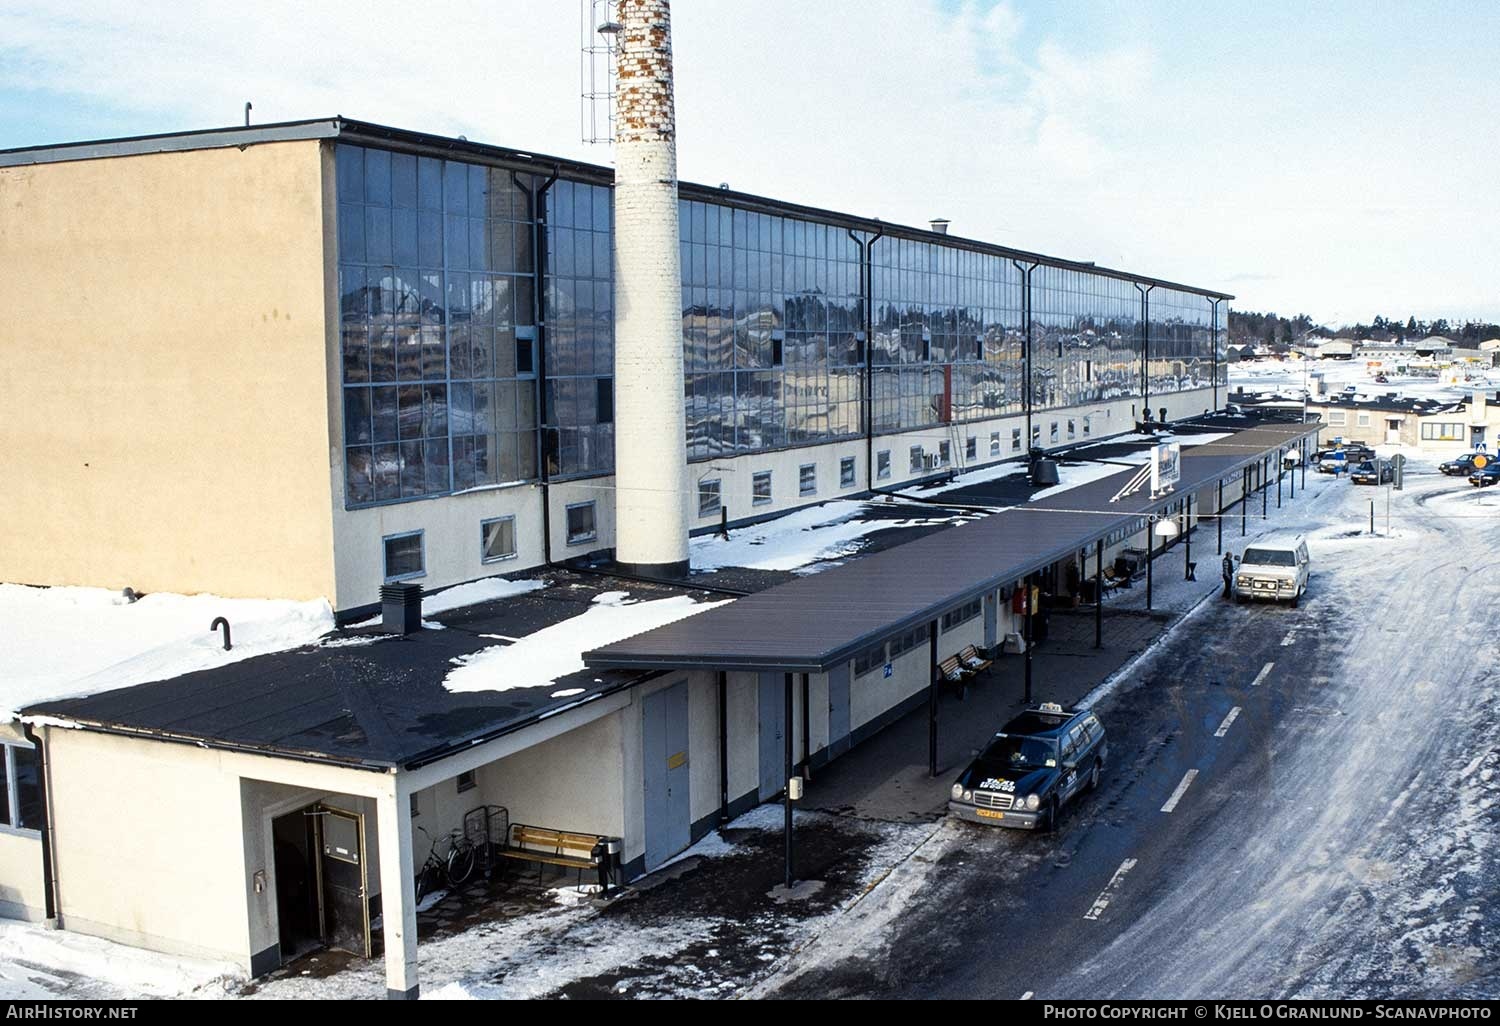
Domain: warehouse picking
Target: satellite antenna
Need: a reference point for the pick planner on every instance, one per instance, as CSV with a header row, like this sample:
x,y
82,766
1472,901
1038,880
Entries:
x,y
601,47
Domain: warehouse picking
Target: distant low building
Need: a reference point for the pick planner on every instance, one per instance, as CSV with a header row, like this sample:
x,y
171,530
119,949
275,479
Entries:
x,y
1432,426
1338,349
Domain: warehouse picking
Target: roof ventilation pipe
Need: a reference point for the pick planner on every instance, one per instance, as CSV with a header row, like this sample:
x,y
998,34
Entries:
x,y
940,225
400,608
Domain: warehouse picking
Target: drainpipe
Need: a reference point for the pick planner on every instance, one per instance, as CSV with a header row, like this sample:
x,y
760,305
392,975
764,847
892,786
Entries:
x,y
1145,347
723,747
44,773
536,214
1026,270
806,730
867,295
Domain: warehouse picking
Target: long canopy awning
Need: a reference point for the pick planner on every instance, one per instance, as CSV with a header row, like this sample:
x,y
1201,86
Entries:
x,y
813,623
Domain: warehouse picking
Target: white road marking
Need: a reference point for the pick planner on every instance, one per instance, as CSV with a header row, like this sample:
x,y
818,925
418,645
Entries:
x,y
1187,781
1291,636
1102,902
1027,996
1224,727
1265,671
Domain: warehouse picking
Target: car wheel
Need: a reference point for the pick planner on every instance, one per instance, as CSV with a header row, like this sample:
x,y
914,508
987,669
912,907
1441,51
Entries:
x,y
1094,776
1051,827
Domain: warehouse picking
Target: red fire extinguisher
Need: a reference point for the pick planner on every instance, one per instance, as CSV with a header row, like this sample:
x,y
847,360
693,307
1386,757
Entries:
x,y
1018,601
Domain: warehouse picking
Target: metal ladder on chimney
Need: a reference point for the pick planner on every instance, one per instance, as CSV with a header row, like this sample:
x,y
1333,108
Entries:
x,y
956,447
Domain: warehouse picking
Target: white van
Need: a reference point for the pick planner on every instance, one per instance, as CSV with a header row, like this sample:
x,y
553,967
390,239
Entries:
x,y
1276,569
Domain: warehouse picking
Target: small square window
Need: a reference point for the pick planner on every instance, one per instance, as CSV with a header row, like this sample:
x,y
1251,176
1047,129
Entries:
x,y
883,465
709,502
604,400
760,486
945,453
497,539
916,458
525,353
466,782
1036,434
994,443
404,557
971,448
581,525
807,479
1054,432
1072,429
1015,439
414,806
1088,425
846,472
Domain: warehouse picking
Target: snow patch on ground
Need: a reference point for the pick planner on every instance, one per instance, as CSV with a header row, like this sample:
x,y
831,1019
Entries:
x,y
540,659
488,590
37,963
62,642
793,542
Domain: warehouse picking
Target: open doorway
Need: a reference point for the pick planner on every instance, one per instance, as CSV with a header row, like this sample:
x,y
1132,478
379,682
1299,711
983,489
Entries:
x,y
299,906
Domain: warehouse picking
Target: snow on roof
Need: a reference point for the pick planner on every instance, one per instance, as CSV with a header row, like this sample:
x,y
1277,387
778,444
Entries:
x,y
72,641
542,658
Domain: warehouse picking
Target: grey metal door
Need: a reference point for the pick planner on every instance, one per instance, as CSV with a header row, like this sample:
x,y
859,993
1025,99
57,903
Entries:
x,y
772,733
346,898
838,711
668,814
991,623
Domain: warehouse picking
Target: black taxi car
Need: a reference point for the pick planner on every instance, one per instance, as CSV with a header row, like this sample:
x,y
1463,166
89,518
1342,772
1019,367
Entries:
x,y
1041,759
1374,472
1486,476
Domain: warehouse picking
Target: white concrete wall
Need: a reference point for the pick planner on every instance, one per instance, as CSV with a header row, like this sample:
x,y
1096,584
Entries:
x,y
744,734
22,890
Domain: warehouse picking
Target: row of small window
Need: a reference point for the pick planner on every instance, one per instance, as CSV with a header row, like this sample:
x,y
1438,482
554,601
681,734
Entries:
x,y
406,553
710,493
20,788
877,656
1338,418
1435,432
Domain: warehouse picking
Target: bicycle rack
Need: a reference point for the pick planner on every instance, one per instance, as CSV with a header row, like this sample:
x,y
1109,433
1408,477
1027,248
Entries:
x,y
487,827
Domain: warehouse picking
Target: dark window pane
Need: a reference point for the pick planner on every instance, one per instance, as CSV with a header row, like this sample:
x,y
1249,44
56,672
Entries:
x,y
359,475
356,346
410,411
403,180
499,539
429,183
4,791
382,353
403,556
383,405
378,235
356,416
463,462
455,187
430,240
351,233
404,237
351,174
413,470
378,177
435,411
605,389
435,452
28,788
387,472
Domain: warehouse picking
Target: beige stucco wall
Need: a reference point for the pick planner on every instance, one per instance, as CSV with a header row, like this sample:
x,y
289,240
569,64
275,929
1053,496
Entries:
x,y
164,357
22,893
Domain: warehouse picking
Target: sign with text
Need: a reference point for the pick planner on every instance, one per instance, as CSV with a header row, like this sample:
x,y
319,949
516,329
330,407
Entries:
x,y
1166,467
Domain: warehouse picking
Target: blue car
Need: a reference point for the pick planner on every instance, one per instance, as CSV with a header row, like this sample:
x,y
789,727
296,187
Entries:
x,y
1043,758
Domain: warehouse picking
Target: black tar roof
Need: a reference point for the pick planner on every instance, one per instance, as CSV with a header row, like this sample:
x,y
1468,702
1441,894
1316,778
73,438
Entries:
x,y
814,623
363,132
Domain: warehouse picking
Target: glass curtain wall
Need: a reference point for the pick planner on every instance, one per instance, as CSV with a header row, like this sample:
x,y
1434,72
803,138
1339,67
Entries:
x,y
1086,331
436,282
579,438
771,311
1181,341
948,335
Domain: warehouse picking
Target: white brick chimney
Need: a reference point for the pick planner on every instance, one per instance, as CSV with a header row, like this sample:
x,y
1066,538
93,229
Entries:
x,y
651,518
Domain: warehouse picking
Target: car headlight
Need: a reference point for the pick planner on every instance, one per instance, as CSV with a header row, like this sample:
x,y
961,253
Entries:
x,y
968,796
958,791
1033,801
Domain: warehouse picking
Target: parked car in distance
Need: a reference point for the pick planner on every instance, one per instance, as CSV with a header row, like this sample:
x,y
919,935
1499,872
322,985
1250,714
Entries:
x,y
1041,759
1490,474
1335,461
1463,466
1373,472
1274,570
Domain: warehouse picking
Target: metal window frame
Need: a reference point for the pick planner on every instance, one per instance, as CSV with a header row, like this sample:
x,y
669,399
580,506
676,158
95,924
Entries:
x,y
756,499
593,506
385,560
802,488
486,559
12,795
718,494
883,465
473,781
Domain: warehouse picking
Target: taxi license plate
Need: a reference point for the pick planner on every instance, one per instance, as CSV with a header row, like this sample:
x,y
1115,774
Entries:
x,y
990,814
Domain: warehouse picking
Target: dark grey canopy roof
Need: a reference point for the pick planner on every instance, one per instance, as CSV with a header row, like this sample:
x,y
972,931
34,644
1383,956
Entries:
x,y
816,622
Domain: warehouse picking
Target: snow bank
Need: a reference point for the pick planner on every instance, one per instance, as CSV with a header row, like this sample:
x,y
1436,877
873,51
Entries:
x,y
71,641
36,963
474,592
540,659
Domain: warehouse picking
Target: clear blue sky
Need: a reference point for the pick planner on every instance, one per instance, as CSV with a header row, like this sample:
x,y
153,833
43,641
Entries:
x,y
1335,159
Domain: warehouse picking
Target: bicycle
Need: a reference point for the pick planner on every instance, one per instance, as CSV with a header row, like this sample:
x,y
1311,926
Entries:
x,y
452,870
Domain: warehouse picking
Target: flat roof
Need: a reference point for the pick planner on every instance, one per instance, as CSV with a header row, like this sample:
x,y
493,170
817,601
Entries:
x,y
814,623
368,133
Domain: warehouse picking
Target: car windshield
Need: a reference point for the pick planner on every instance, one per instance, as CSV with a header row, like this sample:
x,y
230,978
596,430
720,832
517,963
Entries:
x,y
1270,557
1366,467
1023,752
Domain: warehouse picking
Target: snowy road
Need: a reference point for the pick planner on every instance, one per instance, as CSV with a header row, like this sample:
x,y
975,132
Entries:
x,y
1301,802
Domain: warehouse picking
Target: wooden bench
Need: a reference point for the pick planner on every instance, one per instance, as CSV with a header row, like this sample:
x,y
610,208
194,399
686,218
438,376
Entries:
x,y
953,671
973,661
565,848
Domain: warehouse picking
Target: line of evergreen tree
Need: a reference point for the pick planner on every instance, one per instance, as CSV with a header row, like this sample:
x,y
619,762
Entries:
x,y
1271,330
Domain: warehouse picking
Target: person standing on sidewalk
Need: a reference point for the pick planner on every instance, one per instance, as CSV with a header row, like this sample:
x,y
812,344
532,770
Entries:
x,y
1228,574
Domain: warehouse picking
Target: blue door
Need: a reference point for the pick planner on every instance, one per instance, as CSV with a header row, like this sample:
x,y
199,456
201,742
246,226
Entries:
x,y
838,710
772,734
668,814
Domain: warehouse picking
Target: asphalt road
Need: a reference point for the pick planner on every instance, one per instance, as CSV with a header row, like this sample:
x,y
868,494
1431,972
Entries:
x,y
1299,802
